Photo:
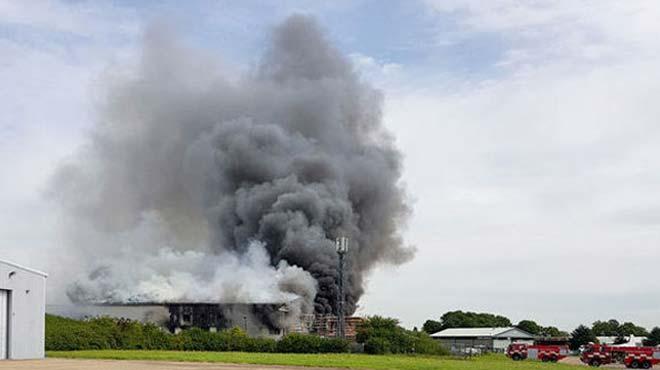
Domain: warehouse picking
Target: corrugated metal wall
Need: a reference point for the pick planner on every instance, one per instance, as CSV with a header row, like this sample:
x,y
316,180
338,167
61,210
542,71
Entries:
x,y
4,303
26,290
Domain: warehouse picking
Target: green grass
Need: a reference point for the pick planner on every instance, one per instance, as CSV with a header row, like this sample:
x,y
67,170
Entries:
x,y
354,361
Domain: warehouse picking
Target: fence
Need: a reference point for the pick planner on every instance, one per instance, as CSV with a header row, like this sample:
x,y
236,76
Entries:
x,y
471,349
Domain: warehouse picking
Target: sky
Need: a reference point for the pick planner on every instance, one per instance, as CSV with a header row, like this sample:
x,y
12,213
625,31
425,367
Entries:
x,y
528,128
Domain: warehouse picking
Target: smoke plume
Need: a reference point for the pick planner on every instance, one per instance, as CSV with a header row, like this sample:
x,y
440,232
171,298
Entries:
x,y
196,185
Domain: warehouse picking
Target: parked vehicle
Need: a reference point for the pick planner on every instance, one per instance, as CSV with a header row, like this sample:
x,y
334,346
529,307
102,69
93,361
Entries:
x,y
545,353
632,357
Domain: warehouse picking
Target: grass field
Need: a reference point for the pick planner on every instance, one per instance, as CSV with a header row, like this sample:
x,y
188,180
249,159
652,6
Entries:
x,y
355,361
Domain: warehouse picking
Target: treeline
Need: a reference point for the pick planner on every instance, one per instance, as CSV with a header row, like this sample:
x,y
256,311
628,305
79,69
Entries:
x,y
580,336
377,335
460,319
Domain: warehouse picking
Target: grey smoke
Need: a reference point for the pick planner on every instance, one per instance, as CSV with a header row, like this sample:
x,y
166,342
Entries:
x,y
191,170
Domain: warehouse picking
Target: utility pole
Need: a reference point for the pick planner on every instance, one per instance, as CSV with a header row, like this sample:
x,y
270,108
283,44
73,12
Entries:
x,y
342,248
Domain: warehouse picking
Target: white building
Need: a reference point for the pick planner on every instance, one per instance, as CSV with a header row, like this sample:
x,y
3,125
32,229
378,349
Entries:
x,y
490,339
22,312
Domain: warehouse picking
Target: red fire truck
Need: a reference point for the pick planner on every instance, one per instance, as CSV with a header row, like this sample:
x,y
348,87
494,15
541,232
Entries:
x,y
631,357
543,352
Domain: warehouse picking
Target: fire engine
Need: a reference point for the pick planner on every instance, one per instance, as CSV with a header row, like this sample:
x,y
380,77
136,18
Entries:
x,y
543,352
631,357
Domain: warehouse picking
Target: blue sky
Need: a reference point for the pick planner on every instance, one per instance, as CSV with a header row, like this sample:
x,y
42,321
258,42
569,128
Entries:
x,y
529,130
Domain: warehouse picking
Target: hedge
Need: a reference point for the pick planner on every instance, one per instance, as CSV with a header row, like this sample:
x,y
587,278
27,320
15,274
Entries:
x,y
64,334
377,334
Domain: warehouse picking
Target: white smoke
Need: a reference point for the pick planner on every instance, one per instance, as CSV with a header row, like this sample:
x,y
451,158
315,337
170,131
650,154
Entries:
x,y
143,268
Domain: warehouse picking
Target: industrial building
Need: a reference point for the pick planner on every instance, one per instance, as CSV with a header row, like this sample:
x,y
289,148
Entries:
x,y
487,339
262,320
22,312
257,319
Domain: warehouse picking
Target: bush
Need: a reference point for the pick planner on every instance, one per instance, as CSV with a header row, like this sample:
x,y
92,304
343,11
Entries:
x,y
264,345
64,334
334,345
378,336
424,344
236,339
299,343
155,338
384,335
130,334
305,343
391,338
377,346
196,339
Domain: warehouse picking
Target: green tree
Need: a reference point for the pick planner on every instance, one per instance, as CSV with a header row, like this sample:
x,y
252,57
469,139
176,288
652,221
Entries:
x,y
385,335
580,336
612,328
376,326
628,328
530,327
432,326
608,328
460,319
653,338
551,331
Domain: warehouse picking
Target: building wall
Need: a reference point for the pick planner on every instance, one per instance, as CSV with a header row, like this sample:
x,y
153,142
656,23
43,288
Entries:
x,y
489,344
461,343
26,311
501,344
257,319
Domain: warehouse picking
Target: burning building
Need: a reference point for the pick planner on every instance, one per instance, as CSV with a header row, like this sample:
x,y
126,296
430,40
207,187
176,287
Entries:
x,y
205,186
327,325
260,319
256,319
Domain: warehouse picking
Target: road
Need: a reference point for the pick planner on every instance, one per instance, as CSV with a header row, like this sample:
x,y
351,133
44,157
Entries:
x,y
574,360
64,364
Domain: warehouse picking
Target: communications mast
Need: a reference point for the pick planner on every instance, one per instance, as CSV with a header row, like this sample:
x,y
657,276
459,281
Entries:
x,y
342,248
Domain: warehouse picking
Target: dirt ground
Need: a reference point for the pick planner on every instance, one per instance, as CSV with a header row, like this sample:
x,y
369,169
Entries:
x,y
64,364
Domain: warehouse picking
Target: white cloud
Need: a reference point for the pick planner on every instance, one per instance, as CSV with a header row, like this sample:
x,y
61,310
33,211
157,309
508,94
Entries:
x,y
84,18
581,30
385,75
48,95
536,190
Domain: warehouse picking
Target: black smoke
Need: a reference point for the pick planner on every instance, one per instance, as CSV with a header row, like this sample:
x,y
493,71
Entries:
x,y
291,155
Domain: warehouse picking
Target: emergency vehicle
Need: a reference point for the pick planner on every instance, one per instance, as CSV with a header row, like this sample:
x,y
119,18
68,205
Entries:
x,y
632,357
543,352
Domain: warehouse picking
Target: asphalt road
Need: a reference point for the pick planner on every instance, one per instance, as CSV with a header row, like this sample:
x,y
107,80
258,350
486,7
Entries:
x,y
64,364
